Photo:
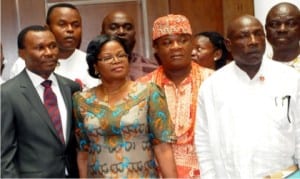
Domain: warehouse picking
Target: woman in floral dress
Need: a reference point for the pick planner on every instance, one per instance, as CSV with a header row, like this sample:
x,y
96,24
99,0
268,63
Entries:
x,y
123,127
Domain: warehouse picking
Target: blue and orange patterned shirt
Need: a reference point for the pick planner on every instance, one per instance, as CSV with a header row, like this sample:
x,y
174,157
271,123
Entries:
x,y
119,138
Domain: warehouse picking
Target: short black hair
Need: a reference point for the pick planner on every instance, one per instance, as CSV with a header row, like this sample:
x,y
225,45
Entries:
x,y
23,33
59,5
218,41
94,48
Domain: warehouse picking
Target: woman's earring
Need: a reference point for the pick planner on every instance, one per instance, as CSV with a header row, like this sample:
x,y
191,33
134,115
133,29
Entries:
x,y
97,73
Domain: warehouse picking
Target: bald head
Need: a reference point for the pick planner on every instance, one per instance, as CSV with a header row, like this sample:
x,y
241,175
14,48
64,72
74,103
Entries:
x,y
121,24
246,41
241,22
283,9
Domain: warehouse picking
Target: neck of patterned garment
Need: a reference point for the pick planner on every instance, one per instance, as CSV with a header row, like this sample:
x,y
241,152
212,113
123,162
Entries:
x,y
50,102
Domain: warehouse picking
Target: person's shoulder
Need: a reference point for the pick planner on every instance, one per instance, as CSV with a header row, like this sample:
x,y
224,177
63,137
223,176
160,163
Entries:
x,y
78,51
17,67
13,83
67,81
280,68
150,76
222,72
85,94
9,84
204,71
220,76
146,84
19,61
151,87
78,54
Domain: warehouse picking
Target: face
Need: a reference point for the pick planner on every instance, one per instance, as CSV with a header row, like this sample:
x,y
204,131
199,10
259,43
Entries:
x,y
113,62
283,27
246,41
120,24
174,51
65,23
205,51
40,52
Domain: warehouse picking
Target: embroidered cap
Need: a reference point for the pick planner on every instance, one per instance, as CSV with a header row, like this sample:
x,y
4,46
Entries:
x,y
170,24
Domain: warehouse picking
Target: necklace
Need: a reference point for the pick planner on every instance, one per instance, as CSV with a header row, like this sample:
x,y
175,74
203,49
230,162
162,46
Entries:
x,y
119,90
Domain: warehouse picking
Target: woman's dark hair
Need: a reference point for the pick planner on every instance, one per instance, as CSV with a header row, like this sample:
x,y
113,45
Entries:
x,y
94,48
218,42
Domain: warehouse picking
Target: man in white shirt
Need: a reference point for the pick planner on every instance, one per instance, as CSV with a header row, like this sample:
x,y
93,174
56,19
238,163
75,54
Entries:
x,y
64,21
283,33
248,117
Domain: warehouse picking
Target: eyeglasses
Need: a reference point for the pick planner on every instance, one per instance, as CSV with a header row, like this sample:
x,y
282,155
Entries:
x,y
111,58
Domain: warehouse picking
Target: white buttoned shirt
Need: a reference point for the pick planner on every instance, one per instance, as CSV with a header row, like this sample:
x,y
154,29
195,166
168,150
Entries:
x,y
248,128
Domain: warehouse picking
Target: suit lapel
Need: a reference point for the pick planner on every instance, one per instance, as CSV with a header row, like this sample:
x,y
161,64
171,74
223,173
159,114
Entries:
x,y
67,95
33,98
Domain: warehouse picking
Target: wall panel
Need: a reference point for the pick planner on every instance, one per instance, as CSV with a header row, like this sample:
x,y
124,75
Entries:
x,y
234,8
203,15
9,31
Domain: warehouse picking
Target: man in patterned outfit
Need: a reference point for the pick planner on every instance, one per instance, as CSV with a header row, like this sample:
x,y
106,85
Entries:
x,y
180,78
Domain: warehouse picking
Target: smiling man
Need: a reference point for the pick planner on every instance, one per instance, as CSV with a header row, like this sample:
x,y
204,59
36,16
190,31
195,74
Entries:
x,y
283,33
180,78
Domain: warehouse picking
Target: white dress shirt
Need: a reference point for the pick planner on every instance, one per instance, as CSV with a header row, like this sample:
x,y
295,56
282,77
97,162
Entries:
x,y
245,127
37,80
1,80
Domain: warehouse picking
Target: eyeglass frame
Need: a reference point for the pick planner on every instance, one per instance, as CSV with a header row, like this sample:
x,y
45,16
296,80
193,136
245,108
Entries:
x,y
109,59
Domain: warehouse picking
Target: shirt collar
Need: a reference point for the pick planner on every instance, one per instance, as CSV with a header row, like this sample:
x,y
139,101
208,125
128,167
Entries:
x,y
259,76
188,79
37,80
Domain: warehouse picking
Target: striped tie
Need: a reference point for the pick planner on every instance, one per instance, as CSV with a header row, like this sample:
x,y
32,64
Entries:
x,y
50,102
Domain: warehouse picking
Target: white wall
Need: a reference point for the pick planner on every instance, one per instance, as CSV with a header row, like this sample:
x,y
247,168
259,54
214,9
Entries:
x,y
261,8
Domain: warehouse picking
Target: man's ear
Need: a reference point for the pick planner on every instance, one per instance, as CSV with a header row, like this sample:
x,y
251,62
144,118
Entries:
x,y
21,53
228,44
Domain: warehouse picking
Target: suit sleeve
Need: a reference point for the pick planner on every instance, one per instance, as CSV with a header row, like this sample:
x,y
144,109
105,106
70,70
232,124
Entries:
x,y
8,138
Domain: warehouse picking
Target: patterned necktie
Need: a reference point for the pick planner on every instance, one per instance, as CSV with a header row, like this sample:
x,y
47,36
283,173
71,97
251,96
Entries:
x,y
50,102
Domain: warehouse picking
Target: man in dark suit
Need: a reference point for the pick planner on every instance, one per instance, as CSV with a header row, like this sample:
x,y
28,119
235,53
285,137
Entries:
x,y
31,145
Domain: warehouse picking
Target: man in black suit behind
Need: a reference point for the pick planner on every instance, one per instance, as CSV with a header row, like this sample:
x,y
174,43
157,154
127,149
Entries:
x,y
30,145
